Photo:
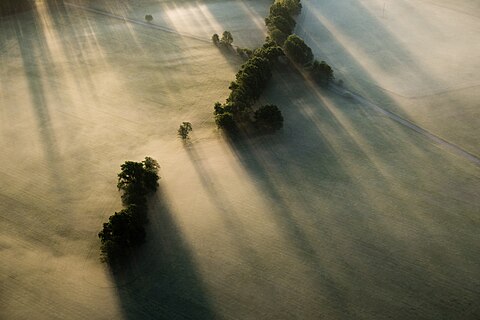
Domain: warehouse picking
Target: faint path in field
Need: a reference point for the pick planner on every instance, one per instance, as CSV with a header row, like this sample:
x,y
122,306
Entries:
x,y
444,143
138,22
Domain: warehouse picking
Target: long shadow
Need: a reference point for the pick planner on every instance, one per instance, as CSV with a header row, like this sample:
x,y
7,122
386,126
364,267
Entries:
x,y
272,161
161,280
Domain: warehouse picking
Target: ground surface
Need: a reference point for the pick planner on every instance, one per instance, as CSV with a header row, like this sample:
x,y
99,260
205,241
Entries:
x,y
345,214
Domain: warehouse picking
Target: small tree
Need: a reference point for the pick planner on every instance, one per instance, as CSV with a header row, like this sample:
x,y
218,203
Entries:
x,y
215,39
227,38
184,130
149,18
269,118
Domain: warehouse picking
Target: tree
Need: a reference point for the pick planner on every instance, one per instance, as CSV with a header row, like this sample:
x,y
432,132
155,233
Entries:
x,y
149,18
278,36
184,130
285,25
124,229
321,72
227,38
225,120
137,179
296,49
215,39
269,118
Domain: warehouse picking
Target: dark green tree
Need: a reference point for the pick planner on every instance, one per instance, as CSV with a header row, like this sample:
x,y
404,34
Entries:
x,y
149,18
215,39
296,49
269,118
227,38
321,72
184,130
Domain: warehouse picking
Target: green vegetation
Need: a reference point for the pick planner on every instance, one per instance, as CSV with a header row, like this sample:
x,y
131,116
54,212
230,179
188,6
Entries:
x,y
149,18
280,22
125,229
322,73
249,84
227,38
296,49
215,39
268,118
184,130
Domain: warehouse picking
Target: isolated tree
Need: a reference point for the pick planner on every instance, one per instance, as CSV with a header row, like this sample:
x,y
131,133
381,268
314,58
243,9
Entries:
x,y
215,39
149,18
268,118
227,38
296,49
184,130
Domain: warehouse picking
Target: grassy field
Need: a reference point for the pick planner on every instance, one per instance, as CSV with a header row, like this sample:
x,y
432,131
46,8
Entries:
x,y
417,58
344,214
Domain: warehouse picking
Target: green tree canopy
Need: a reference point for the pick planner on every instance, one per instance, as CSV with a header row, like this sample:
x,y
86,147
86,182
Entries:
x,y
296,49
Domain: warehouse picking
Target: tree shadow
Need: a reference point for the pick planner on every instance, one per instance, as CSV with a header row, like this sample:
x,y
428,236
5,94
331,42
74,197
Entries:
x,y
161,280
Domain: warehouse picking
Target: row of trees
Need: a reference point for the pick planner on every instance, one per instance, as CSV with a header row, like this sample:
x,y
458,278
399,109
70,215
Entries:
x,y
301,54
280,22
125,229
250,81
225,40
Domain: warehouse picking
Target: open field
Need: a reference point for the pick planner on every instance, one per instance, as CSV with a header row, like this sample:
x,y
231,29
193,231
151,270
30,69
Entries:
x,y
417,58
344,214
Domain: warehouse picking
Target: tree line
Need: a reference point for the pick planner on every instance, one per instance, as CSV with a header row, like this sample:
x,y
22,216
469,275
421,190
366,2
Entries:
x,y
125,229
253,76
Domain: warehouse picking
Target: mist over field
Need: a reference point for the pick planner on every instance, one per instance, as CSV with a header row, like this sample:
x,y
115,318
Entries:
x,y
365,205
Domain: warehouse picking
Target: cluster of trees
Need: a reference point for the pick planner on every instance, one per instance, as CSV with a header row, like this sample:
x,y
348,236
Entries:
x,y
125,229
250,81
226,40
300,53
280,22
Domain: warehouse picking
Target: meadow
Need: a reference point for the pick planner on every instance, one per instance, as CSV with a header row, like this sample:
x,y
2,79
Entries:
x,y
343,214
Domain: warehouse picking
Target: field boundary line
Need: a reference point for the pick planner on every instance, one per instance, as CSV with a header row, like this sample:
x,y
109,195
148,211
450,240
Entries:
x,y
409,124
138,22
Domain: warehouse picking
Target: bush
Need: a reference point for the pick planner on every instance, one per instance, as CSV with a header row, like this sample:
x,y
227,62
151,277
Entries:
x,y
269,118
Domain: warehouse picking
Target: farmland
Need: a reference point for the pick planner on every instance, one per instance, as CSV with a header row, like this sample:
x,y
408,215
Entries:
x,y
343,214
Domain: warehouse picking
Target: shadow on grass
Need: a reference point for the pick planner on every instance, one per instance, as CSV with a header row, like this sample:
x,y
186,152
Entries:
x,y
161,280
